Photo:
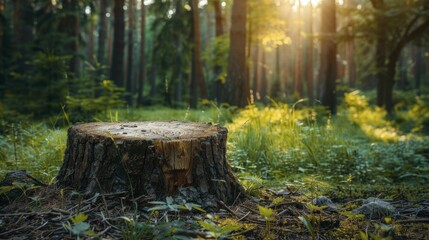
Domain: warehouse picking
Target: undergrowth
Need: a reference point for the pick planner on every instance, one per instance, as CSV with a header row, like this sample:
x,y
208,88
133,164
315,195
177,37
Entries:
x,y
279,142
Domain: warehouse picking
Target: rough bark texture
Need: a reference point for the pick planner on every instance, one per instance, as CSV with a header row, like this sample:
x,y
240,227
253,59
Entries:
x,y
142,69
328,49
150,158
237,84
117,67
102,32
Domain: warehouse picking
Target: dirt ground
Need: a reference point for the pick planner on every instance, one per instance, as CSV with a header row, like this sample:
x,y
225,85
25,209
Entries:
x,y
45,213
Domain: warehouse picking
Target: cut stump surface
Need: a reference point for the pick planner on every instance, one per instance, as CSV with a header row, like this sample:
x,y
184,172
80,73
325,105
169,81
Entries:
x,y
150,158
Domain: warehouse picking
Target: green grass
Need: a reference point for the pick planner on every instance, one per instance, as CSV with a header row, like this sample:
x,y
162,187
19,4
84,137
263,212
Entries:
x,y
279,144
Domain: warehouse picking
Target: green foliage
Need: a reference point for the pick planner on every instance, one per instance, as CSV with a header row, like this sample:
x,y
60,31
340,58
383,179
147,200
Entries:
x,y
216,230
36,148
135,230
41,89
307,223
79,227
170,205
276,141
85,107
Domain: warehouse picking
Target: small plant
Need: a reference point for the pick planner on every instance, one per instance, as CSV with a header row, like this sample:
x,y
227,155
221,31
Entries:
x,y
79,227
308,225
218,231
135,230
269,216
170,205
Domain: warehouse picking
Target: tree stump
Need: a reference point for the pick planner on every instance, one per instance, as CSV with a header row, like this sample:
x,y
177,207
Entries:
x,y
150,158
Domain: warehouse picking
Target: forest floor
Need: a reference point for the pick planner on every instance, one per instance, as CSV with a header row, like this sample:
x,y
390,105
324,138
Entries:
x,y
286,158
52,213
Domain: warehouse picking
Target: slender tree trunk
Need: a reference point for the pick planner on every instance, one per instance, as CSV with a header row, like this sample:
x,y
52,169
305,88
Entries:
x,y
263,79
256,65
197,67
403,71
419,68
178,78
70,26
142,69
297,86
109,34
276,86
91,41
102,32
309,68
130,61
389,83
350,52
288,86
328,60
238,86
117,68
23,25
209,26
2,52
219,83
154,70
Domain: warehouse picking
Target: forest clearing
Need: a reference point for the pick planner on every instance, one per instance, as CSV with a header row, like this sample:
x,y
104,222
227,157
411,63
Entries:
x,y
219,119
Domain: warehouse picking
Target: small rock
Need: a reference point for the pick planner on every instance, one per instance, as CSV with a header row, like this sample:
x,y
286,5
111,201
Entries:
x,y
283,192
324,201
375,208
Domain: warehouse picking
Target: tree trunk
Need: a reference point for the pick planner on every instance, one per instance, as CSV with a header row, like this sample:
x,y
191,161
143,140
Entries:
x,y
117,68
238,85
2,51
102,32
350,52
91,40
389,81
197,67
219,83
263,89
130,61
154,69
256,76
70,26
328,60
142,69
276,85
157,159
297,80
309,68
419,68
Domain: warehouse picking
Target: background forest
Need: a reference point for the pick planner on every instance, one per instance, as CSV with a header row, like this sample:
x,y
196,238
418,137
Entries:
x,y
319,96
84,57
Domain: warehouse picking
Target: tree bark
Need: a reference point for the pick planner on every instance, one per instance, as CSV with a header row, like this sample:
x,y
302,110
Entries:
x,y
2,52
256,74
219,83
237,84
328,62
102,32
70,26
157,159
91,40
117,68
419,68
297,80
197,67
130,55
350,51
263,84
142,70
309,67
